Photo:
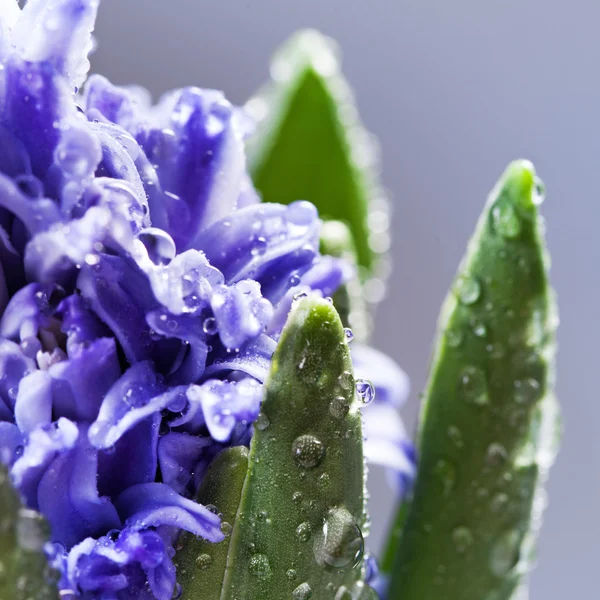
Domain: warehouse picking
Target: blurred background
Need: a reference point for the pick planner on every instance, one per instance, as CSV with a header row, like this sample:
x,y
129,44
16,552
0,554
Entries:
x,y
454,91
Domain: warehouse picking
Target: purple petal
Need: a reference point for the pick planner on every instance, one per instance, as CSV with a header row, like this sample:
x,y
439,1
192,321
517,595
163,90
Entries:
x,y
82,381
68,496
156,504
135,396
115,474
263,241
33,407
178,455
14,365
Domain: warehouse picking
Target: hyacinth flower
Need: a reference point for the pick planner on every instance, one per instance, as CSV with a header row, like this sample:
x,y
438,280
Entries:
x,y
183,409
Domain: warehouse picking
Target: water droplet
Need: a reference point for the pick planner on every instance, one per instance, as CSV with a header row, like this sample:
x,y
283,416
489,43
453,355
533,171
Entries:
x,y
478,327
339,407
212,508
455,436
226,528
291,574
462,538
31,346
527,390
454,337
473,386
259,246
203,561
323,480
297,497
262,421
499,502
299,296
339,546
539,191
468,289
496,455
159,244
346,379
294,280
209,326
505,552
365,391
302,592
301,212
308,451
349,335
446,473
505,220
343,593
259,567
303,532
177,591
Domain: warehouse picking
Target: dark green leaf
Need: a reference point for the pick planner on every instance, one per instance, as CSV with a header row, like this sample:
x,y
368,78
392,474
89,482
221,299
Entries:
x,y
309,144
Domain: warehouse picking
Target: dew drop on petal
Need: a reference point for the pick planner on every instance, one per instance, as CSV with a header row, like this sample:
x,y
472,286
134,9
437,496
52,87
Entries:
x,y
348,334
209,326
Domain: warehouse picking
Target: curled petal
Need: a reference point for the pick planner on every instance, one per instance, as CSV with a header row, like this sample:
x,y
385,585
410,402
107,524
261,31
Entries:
x,y
224,404
135,396
254,359
156,504
43,444
262,241
58,32
241,312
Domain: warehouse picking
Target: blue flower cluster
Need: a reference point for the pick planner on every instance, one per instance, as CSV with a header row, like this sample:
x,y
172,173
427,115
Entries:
x,y
143,288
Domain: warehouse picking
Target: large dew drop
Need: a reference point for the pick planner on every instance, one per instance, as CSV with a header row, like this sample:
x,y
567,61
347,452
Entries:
x,y
339,546
302,592
160,245
505,552
260,567
308,451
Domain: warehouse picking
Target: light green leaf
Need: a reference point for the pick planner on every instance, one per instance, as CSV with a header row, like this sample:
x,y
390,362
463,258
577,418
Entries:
x,y
489,422
24,570
309,144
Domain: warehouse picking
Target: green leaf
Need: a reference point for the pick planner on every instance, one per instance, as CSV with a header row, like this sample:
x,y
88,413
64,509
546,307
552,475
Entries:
x,y
201,565
309,144
24,570
489,421
297,529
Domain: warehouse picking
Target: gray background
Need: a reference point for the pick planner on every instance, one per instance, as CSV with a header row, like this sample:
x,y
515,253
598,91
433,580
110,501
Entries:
x,y
454,90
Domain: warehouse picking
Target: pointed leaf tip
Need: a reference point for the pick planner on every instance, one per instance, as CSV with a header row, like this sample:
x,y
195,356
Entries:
x,y
489,419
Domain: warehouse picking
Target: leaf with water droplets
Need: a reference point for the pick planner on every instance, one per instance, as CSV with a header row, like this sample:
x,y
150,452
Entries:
x,y
297,529
488,426
24,570
309,144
